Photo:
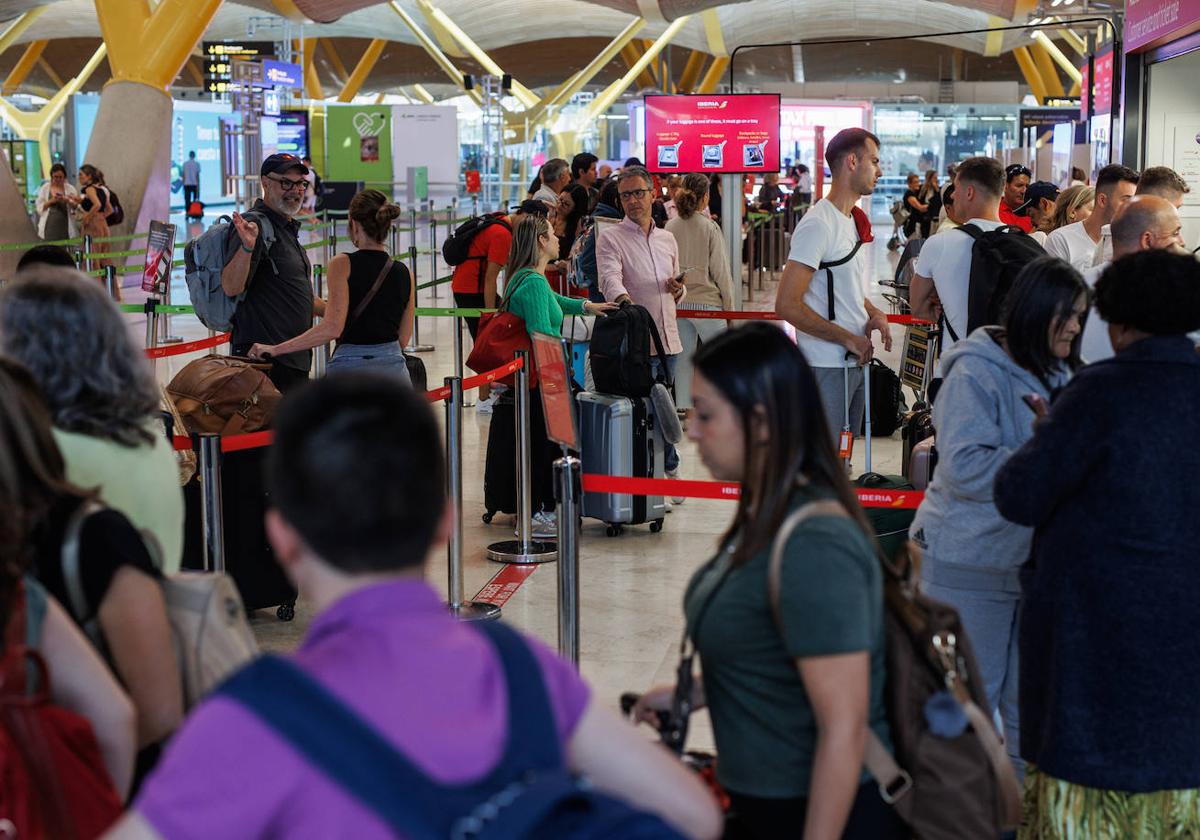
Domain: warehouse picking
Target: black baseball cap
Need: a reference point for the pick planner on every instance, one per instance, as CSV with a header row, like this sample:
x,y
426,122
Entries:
x,y
1034,193
279,163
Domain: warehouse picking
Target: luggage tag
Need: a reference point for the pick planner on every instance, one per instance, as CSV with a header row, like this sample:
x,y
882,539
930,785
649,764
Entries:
x,y
845,445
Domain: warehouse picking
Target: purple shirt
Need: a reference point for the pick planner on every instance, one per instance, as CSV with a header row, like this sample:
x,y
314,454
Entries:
x,y
631,262
431,685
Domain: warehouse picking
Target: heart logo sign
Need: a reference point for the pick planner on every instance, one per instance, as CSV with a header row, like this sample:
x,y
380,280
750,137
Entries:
x,y
369,125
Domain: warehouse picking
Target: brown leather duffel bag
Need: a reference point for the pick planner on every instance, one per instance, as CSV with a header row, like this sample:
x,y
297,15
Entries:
x,y
226,395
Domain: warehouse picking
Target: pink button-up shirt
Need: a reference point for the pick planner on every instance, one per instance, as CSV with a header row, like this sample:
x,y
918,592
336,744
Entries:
x,y
631,262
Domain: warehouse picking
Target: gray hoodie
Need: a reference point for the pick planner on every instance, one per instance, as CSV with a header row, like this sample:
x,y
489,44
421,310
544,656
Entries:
x,y
981,419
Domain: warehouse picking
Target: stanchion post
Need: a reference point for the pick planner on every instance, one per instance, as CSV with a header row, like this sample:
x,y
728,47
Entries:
x,y
164,320
458,355
750,263
525,549
459,605
414,343
567,492
152,326
321,351
433,226
110,281
212,515
87,254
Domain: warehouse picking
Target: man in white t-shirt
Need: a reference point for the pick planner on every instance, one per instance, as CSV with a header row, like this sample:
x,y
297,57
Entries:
x,y
1162,181
1144,223
833,231
1115,184
943,276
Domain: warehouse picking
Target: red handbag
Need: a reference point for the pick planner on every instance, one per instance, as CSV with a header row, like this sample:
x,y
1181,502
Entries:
x,y
500,335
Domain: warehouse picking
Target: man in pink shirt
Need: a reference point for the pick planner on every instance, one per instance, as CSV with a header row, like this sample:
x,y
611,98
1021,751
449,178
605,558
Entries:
x,y
639,262
356,476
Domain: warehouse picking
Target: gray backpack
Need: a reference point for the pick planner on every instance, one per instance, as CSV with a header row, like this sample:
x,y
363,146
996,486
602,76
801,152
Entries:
x,y
204,259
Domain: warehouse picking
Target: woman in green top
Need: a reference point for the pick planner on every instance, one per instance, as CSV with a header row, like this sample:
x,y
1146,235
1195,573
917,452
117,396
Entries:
x,y
790,700
527,294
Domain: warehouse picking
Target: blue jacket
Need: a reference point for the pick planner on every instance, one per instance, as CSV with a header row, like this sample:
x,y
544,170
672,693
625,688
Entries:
x,y
1110,622
587,255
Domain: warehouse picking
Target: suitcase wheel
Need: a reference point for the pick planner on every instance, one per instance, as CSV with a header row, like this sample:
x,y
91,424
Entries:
x,y
656,526
487,517
614,530
286,612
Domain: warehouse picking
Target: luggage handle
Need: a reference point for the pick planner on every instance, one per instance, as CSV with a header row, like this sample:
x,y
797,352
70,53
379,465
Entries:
x,y
866,368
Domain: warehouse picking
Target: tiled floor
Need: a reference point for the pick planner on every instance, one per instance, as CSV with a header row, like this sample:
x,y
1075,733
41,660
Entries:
x,y
631,586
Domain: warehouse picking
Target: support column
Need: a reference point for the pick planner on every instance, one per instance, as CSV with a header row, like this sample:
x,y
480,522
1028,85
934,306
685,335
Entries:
x,y
1029,70
26,63
1045,66
361,70
712,78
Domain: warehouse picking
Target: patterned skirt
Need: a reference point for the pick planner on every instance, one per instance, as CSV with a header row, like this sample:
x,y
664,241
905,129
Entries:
x,y
1058,810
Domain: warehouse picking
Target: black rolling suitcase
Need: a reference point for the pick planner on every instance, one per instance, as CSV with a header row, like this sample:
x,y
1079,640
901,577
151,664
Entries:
x,y
248,556
500,466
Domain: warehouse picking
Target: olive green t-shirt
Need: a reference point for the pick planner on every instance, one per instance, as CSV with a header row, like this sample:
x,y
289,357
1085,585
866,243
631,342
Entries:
x,y
831,603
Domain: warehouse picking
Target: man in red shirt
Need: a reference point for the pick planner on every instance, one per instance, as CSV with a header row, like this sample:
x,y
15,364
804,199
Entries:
x,y
474,280
1016,180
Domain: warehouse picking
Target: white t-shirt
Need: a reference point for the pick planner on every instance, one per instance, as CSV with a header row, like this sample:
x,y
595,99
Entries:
x,y
1103,252
826,235
1096,344
804,183
945,259
1073,244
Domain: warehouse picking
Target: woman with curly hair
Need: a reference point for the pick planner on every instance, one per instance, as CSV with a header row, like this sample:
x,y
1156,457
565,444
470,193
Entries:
x,y
102,397
1109,653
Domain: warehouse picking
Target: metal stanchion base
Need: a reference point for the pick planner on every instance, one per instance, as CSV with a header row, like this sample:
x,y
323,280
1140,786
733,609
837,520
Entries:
x,y
511,551
475,611
419,348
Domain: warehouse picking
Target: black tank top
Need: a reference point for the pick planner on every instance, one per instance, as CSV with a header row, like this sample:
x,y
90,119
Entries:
x,y
380,321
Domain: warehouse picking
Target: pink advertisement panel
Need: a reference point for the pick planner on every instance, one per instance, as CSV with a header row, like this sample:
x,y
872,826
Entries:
x,y
1149,23
712,133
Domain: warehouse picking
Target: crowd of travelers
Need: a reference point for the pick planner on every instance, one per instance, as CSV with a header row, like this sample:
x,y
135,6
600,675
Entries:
x,y
1059,523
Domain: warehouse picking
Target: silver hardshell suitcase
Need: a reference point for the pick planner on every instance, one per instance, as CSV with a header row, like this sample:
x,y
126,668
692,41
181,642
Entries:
x,y
620,436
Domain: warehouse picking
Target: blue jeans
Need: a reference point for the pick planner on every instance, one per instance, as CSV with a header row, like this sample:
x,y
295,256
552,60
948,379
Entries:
x,y
990,618
671,453
386,358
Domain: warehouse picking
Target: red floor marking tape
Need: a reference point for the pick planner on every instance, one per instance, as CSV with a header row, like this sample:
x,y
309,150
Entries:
x,y
592,483
505,583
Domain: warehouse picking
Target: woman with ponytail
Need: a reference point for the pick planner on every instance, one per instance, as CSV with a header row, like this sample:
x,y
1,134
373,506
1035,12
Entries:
x,y
371,298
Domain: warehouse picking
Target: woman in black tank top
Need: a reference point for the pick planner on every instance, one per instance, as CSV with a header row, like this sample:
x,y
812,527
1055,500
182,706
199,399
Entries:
x,y
371,298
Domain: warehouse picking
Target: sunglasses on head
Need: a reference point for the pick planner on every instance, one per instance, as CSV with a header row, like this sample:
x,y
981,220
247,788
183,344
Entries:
x,y
1016,170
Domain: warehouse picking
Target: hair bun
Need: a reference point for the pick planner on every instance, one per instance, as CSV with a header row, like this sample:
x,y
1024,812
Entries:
x,y
387,213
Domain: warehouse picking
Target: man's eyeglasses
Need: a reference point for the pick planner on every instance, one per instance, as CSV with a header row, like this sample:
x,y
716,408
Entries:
x,y
637,195
287,184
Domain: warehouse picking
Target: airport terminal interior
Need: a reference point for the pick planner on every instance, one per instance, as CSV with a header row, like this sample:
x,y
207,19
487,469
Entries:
x,y
144,141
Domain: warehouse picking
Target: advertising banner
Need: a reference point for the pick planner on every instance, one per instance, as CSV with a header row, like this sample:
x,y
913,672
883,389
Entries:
x,y
427,135
1101,88
358,143
1149,23
712,133
196,127
160,251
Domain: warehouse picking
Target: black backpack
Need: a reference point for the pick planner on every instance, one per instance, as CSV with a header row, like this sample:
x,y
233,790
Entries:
x,y
620,352
997,257
118,214
456,250
887,400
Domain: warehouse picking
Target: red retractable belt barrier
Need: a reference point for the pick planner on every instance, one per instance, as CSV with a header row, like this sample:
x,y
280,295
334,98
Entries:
x,y
187,347
730,315
908,499
469,383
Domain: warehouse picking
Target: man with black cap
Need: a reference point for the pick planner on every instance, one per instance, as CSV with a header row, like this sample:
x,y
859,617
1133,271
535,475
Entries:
x,y
266,266
1038,207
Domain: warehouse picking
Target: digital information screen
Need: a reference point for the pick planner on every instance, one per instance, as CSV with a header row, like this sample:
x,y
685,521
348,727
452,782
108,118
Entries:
x,y
712,133
555,387
292,128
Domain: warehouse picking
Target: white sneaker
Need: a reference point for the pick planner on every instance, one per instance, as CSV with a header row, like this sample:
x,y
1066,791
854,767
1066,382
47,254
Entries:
x,y
674,474
485,406
545,525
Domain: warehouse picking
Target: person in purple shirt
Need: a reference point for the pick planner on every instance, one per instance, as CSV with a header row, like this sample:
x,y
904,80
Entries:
x,y
356,477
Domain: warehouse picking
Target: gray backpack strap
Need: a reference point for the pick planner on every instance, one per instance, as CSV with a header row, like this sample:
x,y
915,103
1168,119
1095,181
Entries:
x,y
72,571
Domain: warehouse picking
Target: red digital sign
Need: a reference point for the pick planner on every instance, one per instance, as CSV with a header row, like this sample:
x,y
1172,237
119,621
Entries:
x,y
1101,87
713,133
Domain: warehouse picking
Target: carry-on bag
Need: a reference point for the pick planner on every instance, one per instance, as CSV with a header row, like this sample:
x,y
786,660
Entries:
x,y
500,464
224,395
620,436
922,461
500,335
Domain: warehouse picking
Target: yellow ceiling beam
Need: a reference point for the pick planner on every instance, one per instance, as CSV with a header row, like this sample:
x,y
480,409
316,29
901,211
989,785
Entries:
x,y
1074,41
312,81
445,40
523,94
716,71
1059,57
439,57
36,125
1045,66
49,71
602,102
631,54
21,70
573,85
17,28
149,46
361,70
713,32
652,68
1076,88
418,92
339,66
691,71
1029,70
994,42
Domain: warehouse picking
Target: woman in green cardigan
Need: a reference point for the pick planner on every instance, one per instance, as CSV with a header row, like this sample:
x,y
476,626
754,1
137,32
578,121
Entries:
x,y
528,296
